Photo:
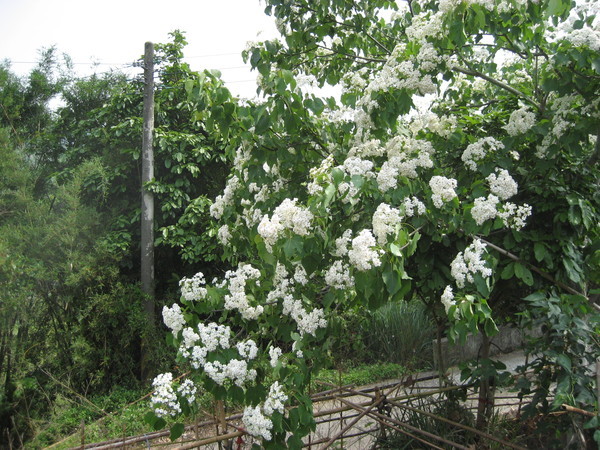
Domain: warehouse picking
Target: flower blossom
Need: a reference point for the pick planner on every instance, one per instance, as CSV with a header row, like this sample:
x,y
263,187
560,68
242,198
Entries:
x,y
173,318
442,190
164,400
193,288
362,255
467,264
385,220
502,184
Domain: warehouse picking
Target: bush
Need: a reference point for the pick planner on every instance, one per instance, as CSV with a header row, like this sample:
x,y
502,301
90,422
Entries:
x,y
400,332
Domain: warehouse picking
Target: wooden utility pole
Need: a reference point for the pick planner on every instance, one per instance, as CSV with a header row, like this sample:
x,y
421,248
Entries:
x,y
147,243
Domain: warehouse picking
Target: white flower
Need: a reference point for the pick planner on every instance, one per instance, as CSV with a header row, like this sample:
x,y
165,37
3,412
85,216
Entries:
x,y
385,220
164,400
362,255
173,318
478,151
484,209
338,276
442,190
226,199
307,322
247,349
192,288
520,121
274,353
515,216
502,185
237,298
256,423
410,204
214,335
285,216
224,235
300,275
187,390
466,265
275,399
341,244
448,298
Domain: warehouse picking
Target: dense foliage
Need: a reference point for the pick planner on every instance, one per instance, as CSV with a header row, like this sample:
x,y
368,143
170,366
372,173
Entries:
x,y
71,314
459,168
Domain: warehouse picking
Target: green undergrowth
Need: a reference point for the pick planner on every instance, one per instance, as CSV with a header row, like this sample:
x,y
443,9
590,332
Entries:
x,y
358,376
121,414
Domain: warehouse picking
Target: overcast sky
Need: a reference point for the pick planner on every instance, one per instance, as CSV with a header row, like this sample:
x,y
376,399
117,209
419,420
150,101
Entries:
x,y
112,33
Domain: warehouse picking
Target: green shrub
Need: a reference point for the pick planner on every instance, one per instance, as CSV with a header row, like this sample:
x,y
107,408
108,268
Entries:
x,y
400,332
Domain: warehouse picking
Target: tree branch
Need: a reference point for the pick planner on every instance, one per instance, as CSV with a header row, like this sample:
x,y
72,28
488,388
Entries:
x,y
536,269
500,84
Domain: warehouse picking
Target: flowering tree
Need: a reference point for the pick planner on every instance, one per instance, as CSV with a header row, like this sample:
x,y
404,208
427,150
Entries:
x,y
459,168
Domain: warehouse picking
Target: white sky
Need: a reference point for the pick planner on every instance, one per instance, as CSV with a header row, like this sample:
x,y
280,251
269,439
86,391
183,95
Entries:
x,y
113,32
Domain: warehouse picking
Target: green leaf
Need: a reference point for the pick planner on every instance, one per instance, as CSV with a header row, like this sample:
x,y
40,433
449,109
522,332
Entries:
x,y
159,424
150,418
293,246
392,281
508,271
176,431
294,442
490,328
524,274
564,361
539,250
395,250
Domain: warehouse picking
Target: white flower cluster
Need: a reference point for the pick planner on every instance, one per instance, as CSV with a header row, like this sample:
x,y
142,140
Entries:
x,y
520,121
283,289
582,26
320,175
371,147
300,275
275,399
237,298
173,318
164,400
341,244
442,189
466,264
235,371
485,209
226,199
214,335
441,125
339,276
357,166
411,204
385,220
307,322
247,349
478,151
224,235
502,184
405,157
274,354
562,108
188,390
361,254
286,216
515,216
257,424
448,298
193,288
